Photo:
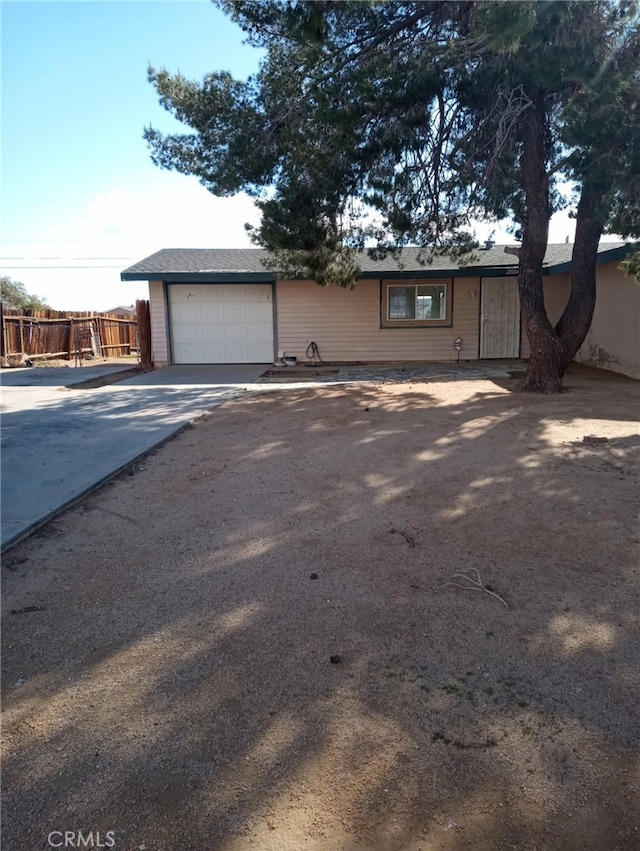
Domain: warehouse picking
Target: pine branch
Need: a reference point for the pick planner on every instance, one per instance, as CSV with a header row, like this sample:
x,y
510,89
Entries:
x,y
472,584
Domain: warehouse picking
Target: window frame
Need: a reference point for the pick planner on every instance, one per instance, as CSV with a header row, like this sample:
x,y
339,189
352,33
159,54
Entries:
x,y
385,286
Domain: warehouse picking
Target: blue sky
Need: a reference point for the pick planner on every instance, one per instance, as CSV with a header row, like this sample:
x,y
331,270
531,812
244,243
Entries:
x,y
81,199
77,180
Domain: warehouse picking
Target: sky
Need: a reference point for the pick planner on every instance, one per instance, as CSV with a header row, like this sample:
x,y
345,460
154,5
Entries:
x,y
81,199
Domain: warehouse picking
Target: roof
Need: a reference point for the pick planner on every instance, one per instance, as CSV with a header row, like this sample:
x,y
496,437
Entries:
x,y
125,311
220,264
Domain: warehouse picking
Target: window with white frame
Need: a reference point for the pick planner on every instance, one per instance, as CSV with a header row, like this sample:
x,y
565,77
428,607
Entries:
x,y
422,303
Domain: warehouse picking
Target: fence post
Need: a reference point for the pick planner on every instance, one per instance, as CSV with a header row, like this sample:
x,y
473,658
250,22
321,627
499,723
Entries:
x,y
2,346
144,333
95,340
102,335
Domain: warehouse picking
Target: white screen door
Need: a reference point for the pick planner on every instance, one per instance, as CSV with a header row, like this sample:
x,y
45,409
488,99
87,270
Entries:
x,y
500,318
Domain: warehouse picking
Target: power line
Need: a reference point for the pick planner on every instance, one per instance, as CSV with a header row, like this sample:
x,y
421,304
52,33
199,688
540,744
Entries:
x,y
119,266
44,241
33,259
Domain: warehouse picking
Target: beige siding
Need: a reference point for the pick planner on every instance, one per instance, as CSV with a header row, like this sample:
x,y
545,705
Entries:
x,y
556,293
157,308
613,342
346,324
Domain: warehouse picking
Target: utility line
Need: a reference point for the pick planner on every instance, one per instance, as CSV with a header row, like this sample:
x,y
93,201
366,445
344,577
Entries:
x,y
33,259
119,266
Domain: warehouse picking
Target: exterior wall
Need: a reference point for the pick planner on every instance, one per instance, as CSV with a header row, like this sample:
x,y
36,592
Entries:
x,y
345,324
159,333
556,295
613,341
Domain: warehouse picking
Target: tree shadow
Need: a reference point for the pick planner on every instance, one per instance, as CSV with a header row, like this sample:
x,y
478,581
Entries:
x,y
179,688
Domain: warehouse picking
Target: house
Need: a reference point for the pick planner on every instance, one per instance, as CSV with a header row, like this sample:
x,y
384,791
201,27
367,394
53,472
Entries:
x,y
121,310
224,306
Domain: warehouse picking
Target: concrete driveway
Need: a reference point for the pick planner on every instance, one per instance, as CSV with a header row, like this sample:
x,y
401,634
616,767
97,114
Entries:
x,y
58,442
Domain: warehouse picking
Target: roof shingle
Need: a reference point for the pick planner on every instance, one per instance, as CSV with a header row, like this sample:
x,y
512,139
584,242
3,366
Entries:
x,y
249,261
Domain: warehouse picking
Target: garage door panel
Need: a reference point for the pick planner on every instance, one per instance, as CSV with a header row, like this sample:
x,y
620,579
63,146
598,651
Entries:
x,y
213,353
255,353
256,295
235,332
187,354
188,333
259,334
208,295
212,323
254,312
234,313
184,295
182,312
233,352
211,313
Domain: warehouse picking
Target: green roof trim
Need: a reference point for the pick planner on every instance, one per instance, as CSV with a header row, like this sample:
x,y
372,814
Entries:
x,y
606,254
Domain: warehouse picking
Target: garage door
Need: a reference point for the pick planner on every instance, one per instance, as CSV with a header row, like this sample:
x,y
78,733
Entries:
x,y
219,323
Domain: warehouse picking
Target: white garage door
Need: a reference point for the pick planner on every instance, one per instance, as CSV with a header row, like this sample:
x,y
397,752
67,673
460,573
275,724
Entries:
x,y
221,323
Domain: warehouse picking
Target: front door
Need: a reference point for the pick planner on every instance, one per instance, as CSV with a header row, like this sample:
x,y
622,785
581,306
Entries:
x,y
500,318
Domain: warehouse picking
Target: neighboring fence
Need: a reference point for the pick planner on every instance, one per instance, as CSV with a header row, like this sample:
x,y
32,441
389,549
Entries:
x,y
73,336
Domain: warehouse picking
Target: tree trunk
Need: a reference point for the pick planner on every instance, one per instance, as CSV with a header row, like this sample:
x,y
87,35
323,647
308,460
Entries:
x,y
543,371
573,326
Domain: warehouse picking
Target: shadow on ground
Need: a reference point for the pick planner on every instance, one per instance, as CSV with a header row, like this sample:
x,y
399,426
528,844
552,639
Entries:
x,y
248,642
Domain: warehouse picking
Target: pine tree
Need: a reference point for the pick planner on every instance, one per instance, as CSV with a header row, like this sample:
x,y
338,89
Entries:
x,y
403,122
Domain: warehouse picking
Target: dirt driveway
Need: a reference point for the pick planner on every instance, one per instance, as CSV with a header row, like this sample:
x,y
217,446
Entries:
x,y
246,643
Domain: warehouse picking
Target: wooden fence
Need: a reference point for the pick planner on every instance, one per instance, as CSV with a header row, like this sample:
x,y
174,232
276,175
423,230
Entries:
x,y
42,334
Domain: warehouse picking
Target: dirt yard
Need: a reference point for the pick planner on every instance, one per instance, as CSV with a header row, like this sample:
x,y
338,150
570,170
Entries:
x,y
247,642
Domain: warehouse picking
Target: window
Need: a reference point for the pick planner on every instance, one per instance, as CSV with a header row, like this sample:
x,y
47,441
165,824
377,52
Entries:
x,y
421,304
